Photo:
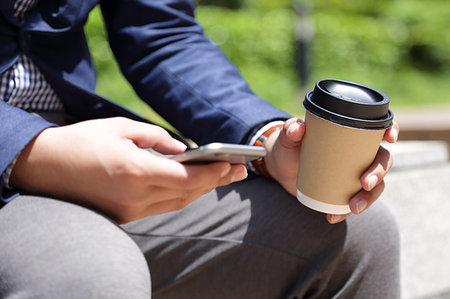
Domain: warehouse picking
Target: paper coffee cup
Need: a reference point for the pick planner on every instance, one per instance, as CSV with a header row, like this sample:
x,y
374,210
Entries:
x,y
345,123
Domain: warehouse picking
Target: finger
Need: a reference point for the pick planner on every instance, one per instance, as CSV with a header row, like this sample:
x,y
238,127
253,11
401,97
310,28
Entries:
x,y
171,205
378,170
207,176
155,194
391,134
364,199
171,174
181,199
185,198
292,133
150,136
359,203
175,203
238,172
333,219
128,214
197,184
156,200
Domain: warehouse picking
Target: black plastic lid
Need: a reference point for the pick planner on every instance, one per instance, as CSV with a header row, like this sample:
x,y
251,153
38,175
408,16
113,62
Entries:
x,y
349,104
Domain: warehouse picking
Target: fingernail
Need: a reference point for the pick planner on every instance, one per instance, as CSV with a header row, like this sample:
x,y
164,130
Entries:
x,y
395,133
373,181
293,127
361,206
336,218
239,175
180,144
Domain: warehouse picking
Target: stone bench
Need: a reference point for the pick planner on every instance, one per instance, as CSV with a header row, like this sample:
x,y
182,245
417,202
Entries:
x,y
418,192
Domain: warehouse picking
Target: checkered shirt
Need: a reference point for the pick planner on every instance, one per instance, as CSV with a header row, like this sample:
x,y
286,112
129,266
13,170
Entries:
x,y
23,86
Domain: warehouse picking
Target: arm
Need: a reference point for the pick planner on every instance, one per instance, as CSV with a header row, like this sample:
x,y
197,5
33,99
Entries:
x,y
18,128
102,164
186,78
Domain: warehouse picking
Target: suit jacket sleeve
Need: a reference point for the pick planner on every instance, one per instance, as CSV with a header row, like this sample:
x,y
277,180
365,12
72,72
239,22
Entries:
x,y
17,129
185,77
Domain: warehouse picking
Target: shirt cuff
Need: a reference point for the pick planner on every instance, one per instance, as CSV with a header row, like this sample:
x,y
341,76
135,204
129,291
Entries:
x,y
7,174
257,135
263,129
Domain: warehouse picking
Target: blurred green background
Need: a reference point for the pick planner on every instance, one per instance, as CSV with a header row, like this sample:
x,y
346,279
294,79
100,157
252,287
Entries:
x,y
401,47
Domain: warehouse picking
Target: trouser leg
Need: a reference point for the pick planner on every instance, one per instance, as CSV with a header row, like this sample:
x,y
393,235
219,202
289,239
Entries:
x,y
253,240
247,240
54,249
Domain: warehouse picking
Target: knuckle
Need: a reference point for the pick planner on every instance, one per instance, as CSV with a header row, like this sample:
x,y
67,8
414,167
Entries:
x,y
129,170
121,121
161,130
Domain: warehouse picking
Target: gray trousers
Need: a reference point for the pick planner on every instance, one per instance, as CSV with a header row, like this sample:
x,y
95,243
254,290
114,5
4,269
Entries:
x,y
247,240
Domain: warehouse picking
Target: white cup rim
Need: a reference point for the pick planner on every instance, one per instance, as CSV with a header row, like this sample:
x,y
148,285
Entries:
x,y
322,206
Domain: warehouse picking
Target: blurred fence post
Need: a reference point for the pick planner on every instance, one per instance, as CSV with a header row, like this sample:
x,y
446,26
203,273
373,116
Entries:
x,y
304,35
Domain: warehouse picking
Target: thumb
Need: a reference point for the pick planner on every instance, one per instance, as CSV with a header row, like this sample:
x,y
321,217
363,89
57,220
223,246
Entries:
x,y
292,133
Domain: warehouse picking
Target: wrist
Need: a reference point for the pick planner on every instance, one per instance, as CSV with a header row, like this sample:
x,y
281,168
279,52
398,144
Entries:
x,y
26,168
259,165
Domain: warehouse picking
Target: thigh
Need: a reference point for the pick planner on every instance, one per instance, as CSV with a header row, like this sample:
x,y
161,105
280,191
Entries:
x,y
54,249
251,240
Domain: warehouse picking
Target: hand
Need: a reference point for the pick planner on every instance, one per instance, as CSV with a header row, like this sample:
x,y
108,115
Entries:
x,y
372,181
283,153
102,164
283,156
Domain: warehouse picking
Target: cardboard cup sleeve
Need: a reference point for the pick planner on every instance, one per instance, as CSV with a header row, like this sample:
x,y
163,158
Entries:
x,y
332,160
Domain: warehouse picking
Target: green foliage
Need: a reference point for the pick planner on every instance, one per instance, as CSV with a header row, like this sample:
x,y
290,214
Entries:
x,y
356,42
426,33
266,4
401,47
352,6
260,43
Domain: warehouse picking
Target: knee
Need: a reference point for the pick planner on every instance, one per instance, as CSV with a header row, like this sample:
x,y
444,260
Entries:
x,y
370,263
375,233
70,252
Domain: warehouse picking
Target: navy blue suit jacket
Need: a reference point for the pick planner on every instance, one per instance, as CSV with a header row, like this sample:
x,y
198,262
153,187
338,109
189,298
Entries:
x,y
161,50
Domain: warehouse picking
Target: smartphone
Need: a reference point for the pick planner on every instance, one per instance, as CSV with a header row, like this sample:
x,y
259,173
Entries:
x,y
213,152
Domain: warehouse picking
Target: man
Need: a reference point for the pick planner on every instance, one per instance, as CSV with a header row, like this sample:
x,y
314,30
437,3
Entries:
x,y
65,187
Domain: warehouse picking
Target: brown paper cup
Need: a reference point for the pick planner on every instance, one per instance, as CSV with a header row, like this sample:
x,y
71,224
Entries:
x,y
345,123
332,160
